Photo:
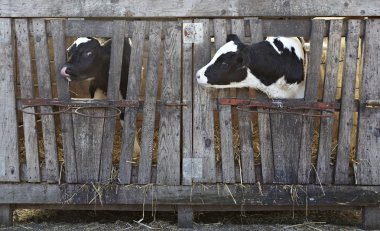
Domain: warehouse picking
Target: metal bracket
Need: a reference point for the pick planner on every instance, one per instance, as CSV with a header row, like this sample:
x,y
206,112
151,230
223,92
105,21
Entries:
x,y
192,32
372,103
192,168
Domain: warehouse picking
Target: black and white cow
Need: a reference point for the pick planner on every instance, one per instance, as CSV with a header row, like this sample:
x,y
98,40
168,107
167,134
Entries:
x,y
89,59
274,66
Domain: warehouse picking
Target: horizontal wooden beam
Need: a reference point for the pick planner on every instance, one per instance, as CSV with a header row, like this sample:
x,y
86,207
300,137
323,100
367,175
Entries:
x,y
199,194
194,8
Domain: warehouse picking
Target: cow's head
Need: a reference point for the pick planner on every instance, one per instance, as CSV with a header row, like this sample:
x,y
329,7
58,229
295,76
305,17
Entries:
x,y
85,59
227,66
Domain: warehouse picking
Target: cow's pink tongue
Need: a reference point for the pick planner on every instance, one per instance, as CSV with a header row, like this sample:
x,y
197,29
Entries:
x,y
64,74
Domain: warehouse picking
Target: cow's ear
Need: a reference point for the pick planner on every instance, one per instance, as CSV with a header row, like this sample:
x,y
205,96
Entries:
x,y
233,37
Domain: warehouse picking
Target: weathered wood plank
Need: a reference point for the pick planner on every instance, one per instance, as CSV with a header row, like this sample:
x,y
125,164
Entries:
x,y
169,146
198,194
348,103
245,119
369,118
266,151
6,215
187,112
311,94
26,84
203,120
196,8
286,142
133,91
185,217
371,217
93,28
147,133
45,92
88,133
225,120
9,161
116,61
329,92
67,130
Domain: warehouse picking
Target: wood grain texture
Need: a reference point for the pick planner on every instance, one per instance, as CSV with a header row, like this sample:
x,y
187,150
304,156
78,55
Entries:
x,y
187,112
149,110
26,84
368,154
225,119
45,92
116,61
371,218
6,215
88,134
311,94
67,130
245,120
348,103
203,118
266,195
169,146
195,8
9,161
133,91
266,152
329,92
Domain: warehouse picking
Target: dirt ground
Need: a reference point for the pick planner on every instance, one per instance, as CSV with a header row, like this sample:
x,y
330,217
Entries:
x,y
26,219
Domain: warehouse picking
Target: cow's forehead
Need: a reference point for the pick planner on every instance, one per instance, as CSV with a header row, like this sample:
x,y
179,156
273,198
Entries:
x,y
226,48
81,40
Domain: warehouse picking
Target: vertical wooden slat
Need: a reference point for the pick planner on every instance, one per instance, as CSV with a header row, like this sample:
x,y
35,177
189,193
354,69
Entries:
x,y
286,146
187,112
88,134
147,133
133,91
225,120
311,94
45,92
203,118
169,159
266,152
369,118
6,215
9,161
245,121
348,103
329,92
371,218
67,131
118,32
26,83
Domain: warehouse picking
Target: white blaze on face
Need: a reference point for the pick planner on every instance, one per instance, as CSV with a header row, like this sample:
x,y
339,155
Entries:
x,y
228,47
79,41
288,43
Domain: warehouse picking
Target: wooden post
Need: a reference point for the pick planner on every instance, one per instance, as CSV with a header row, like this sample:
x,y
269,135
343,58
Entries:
x,y
370,217
185,216
6,215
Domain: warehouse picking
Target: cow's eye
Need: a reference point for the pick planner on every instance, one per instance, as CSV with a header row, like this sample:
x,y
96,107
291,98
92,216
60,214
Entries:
x,y
88,53
224,65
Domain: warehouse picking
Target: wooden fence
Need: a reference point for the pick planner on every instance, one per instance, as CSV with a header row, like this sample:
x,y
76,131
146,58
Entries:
x,y
196,153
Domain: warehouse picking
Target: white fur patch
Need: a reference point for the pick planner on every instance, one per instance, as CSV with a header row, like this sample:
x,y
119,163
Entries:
x,y
288,43
80,40
228,47
99,94
280,89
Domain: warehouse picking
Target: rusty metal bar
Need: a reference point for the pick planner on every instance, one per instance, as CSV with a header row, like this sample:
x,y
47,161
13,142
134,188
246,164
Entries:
x,y
78,103
283,106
